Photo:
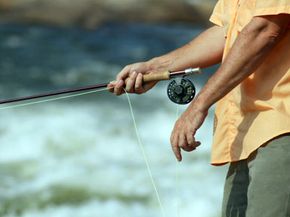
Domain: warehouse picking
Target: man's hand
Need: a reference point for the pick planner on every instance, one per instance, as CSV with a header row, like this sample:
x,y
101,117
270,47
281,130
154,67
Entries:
x,y
131,78
203,51
183,134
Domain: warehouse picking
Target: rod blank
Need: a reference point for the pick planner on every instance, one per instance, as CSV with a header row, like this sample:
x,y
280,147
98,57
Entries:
x,y
54,93
146,78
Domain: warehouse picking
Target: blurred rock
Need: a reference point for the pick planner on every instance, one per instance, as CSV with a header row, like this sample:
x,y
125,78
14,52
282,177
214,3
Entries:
x,y
91,13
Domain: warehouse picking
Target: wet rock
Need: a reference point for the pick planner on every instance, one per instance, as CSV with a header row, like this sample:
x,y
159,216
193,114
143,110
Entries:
x,y
91,13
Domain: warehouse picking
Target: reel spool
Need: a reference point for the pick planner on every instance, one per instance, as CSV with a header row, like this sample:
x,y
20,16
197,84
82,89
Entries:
x,y
181,92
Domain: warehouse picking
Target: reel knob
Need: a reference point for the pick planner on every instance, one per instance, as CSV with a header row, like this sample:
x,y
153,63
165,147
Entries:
x,y
181,92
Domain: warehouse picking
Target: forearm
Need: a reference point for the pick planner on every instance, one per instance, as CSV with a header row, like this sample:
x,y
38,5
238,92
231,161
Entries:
x,y
248,52
203,51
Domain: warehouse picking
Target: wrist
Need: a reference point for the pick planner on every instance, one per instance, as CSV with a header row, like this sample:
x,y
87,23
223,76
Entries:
x,y
160,64
200,104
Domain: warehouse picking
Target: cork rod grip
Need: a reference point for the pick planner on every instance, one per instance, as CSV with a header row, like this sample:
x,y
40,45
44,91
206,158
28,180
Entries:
x,y
156,76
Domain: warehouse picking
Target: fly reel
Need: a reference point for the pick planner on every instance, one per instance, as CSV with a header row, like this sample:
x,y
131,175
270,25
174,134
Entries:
x,y
181,91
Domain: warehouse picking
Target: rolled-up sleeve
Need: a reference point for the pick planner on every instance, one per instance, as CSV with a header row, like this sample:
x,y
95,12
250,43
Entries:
x,y
271,7
217,15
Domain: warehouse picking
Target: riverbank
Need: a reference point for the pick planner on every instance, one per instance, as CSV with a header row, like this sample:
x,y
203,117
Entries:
x,y
93,13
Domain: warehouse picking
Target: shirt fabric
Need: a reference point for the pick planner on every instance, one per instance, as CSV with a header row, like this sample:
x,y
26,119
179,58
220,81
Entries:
x,y
258,109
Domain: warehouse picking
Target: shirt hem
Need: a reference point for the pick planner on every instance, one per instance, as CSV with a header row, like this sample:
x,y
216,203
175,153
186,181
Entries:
x,y
247,155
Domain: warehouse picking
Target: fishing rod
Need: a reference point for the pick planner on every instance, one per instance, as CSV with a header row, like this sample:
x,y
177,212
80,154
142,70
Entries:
x,y
181,92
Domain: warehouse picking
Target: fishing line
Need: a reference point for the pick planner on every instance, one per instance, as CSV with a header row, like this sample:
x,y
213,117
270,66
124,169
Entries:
x,y
141,146
181,93
177,175
133,119
52,99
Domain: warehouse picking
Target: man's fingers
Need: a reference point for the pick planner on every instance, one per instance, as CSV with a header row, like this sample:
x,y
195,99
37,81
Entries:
x,y
172,138
190,139
175,148
119,87
198,143
111,86
177,152
190,144
189,148
130,82
124,73
182,143
139,84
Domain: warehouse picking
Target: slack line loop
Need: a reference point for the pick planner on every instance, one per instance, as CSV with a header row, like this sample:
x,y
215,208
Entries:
x,y
141,146
145,157
94,89
180,92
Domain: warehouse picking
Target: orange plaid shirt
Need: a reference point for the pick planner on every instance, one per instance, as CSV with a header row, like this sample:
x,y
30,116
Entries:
x,y
258,109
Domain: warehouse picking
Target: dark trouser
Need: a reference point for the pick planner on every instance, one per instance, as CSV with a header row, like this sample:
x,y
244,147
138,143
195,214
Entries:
x,y
260,186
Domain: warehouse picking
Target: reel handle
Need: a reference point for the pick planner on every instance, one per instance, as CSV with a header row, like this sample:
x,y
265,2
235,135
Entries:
x,y
156,76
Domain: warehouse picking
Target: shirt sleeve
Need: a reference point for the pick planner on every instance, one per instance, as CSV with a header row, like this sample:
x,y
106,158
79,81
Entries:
x,y
271,7
216,16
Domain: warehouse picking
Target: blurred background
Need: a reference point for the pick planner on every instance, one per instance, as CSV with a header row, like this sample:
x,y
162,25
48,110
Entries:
x,y
79,157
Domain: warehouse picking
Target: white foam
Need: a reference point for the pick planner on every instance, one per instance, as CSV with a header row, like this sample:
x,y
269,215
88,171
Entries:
x,y
94,147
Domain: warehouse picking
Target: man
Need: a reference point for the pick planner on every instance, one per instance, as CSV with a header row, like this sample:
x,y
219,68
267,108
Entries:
x,y
252,87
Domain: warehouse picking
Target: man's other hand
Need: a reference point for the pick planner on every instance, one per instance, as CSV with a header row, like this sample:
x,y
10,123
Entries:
x,y
183,134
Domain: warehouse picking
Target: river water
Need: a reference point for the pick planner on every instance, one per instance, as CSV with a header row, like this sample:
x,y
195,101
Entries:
x,y
79,157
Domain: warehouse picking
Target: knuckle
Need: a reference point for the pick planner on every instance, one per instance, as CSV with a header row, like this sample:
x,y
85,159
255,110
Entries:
x,y
127,67
137,65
